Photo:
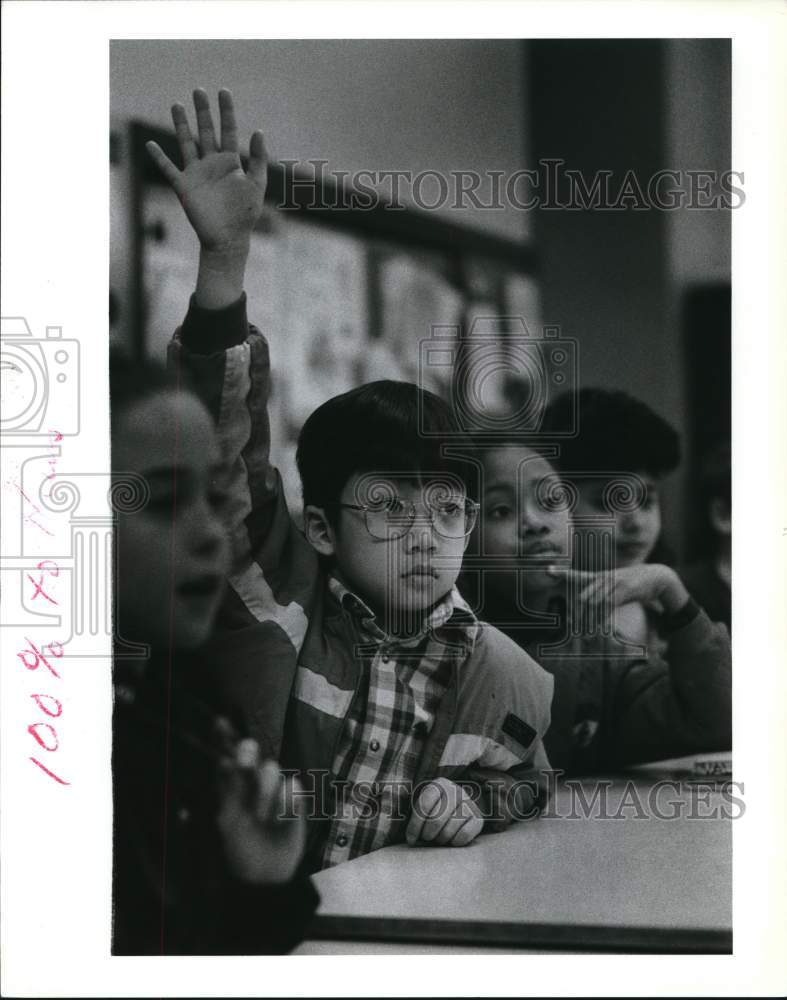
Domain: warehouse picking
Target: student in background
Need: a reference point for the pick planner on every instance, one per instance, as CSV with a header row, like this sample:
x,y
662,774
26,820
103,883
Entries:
x,y
203,863
618,434
609,708
621,440
394,697
709,579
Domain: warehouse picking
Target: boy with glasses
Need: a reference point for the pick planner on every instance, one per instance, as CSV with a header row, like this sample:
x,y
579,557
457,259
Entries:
x,y
346,647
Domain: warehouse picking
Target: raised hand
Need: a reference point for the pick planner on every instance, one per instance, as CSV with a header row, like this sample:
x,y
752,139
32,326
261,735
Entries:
x,y
221,200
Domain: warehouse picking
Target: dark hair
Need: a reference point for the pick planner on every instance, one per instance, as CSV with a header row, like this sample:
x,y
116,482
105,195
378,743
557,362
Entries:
x,y
383,426
132,381
617,433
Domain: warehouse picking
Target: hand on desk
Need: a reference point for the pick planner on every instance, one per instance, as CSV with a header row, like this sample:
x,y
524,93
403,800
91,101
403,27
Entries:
x,y
444,814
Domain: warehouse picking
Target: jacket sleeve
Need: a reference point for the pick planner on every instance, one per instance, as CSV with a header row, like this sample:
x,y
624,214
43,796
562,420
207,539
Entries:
x,y
226,361
677,705
507,699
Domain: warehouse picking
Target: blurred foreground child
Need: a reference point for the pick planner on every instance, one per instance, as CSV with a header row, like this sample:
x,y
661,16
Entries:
x,y
204,852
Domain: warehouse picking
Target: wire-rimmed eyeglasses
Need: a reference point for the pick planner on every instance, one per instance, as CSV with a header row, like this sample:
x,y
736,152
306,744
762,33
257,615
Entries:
x,y
453,517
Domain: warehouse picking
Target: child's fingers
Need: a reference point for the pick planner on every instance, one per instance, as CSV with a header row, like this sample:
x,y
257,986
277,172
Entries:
x,y
225,733
603,593
414,827
165,165
229,130
433,827
296,802
466,832
188,148
428,800
446,833
450,829
463,821
207,137
575,576
247,754
270,795
258,158
593,592
445,811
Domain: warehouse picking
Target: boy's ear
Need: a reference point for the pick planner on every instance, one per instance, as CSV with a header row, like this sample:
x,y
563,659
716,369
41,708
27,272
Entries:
x,y
318,530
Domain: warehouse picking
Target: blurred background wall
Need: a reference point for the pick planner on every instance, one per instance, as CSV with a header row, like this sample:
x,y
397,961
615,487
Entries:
x,y
642,291
368,103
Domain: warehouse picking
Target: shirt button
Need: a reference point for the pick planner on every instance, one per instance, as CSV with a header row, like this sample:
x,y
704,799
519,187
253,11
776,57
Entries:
x,y
374,746
341,840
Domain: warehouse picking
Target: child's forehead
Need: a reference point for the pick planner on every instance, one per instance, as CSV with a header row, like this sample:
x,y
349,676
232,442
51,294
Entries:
x,y
514,464
165,429
409,485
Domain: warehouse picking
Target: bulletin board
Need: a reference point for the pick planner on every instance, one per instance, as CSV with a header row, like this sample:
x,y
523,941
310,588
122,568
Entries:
x,y
344,295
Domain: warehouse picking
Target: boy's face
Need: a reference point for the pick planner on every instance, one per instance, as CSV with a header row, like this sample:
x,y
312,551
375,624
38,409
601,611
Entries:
x,y
405,574
636,531
516,520
172,554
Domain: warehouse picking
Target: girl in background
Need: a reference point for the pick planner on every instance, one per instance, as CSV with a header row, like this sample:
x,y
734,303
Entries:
x,y
623,447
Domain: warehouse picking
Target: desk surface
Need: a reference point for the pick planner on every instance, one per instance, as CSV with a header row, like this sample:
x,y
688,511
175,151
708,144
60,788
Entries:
x,y
627,879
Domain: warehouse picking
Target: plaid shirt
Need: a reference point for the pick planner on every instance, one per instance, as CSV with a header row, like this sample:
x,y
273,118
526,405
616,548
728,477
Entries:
x,y
288,667
403,681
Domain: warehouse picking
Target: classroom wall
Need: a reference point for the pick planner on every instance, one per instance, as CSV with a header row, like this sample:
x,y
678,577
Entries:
x,y
698,106
382,104
614,280
379,104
